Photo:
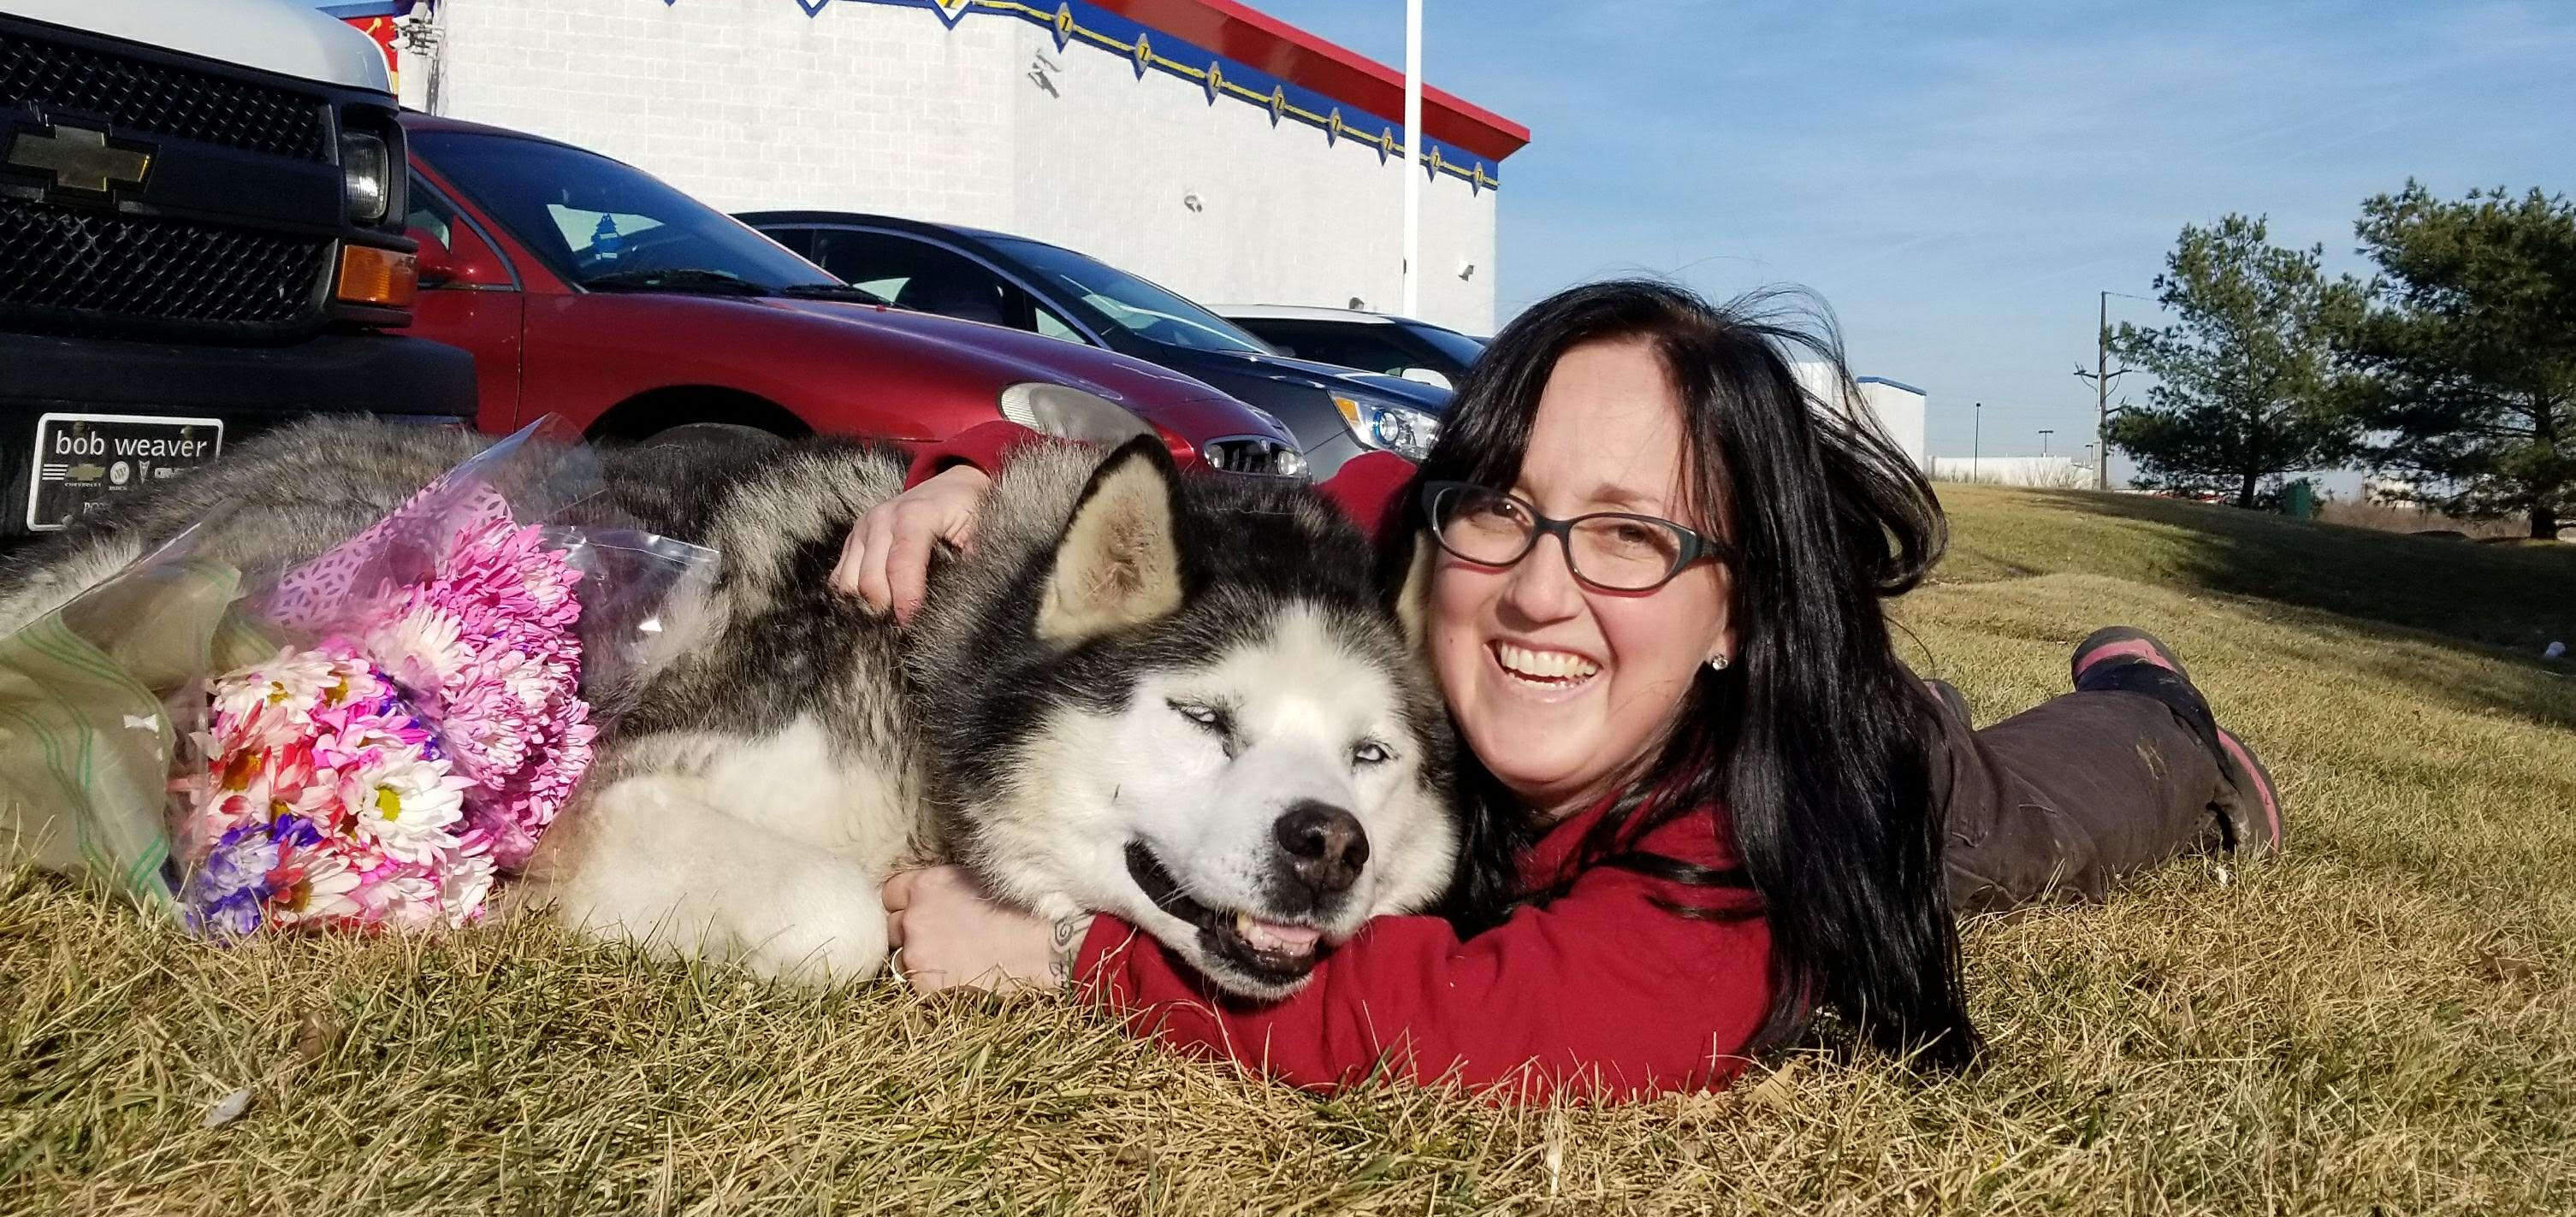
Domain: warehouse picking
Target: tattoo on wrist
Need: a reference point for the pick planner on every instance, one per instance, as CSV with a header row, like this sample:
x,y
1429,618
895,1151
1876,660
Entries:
x,y
1065,945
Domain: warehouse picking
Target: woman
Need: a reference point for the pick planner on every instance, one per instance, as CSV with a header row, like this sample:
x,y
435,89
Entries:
x,y
1708,803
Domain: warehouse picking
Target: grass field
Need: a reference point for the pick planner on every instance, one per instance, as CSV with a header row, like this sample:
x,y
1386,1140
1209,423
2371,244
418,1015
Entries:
x,y
2381,1022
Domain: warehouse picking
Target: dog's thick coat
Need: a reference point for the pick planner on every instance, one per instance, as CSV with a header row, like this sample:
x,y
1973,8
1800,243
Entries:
x,y
1176,699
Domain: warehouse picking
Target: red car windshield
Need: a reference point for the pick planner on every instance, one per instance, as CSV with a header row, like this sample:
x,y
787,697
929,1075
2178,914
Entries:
x,y
604,224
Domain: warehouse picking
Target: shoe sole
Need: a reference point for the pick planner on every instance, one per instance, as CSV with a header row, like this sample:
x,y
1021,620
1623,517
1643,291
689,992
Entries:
x,y
2119,641
2247,778
2249,768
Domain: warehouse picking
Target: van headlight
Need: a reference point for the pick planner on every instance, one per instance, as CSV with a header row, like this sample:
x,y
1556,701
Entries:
x,y
366,175
1383,424
1070,413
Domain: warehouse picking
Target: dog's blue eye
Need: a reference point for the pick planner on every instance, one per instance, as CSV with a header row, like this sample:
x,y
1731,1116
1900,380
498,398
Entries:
x,y
1205,716
1371,752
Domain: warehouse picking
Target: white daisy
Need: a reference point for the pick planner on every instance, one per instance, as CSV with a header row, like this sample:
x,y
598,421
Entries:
x,y
465,881
315,885
406,805
274,691
421,648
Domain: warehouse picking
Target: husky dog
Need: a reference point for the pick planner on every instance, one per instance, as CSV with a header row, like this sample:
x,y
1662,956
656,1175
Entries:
x,y
1181,700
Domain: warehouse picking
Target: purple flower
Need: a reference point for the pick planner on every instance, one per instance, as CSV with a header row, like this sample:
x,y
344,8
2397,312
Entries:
x,y
291,830
225,895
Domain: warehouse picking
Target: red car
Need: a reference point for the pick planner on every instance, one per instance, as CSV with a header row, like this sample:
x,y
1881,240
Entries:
x,y
586,288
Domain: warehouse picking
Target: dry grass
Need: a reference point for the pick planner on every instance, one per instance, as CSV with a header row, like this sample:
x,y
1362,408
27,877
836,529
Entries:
x,y
2384,1021
2391,517
2517,596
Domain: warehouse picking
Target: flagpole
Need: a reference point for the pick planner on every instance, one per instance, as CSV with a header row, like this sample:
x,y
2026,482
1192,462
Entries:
x,y
1412,158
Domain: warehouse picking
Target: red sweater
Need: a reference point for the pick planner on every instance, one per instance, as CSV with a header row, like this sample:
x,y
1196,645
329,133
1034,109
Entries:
x,y
1603,992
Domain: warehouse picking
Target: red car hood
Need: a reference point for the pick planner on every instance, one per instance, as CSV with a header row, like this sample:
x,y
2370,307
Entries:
x,y
1183,405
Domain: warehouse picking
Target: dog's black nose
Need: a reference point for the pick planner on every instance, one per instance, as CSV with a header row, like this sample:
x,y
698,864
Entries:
x,y
1326,846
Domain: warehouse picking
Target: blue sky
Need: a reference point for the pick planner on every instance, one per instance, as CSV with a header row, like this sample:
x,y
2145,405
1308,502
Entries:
x,y
1956,180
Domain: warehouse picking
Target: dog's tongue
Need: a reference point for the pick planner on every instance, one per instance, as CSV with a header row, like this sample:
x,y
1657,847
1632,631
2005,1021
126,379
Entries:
x,y
1274,937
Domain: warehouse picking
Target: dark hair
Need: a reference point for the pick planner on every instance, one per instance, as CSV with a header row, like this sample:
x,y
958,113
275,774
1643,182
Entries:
x,y
1814,740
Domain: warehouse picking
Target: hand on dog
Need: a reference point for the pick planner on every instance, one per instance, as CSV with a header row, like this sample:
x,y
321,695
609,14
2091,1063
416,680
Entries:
x,y
886,560
950,935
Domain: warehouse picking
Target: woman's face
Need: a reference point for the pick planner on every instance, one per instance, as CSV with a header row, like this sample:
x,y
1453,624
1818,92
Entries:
x,y
1560,688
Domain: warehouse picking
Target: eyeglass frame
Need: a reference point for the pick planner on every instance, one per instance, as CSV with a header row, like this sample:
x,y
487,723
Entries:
x,y
1695,544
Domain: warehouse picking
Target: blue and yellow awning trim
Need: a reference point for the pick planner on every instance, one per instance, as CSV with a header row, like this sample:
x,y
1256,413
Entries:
x,y
1220,78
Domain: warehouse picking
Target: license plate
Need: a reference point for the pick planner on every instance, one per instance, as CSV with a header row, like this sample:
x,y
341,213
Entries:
x,y
84,460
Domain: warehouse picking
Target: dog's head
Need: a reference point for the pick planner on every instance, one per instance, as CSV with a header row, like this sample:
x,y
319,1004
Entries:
x,y
1202,717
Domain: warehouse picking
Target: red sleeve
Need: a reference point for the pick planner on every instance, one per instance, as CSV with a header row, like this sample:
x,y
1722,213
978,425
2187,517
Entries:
x,y
1366,487
1601,993
984,445
1369,489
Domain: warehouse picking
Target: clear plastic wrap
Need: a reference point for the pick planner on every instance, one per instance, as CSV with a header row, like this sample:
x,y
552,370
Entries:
x,y
97,700
371,738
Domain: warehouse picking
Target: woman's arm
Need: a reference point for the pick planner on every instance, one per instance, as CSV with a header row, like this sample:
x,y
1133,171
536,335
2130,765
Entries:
x,y
1366,487
1604,992
885,561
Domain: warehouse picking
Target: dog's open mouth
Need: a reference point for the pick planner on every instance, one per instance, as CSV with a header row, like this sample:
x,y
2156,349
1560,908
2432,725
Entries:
x,y
1271,952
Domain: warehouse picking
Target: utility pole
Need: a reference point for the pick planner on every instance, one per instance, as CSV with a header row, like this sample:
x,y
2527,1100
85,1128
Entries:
x,y
1977,443
1412,158
2101,383
2044,433
2102,376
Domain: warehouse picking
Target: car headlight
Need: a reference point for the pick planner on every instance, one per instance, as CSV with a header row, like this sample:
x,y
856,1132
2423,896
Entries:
x,y
366,173
1384,424
1068,412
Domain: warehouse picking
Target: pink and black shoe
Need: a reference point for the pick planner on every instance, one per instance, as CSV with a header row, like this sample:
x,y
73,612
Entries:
x,y
2127,659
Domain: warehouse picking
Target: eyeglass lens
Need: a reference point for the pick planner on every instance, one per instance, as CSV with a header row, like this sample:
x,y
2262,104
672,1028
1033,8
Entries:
x,y
1614,551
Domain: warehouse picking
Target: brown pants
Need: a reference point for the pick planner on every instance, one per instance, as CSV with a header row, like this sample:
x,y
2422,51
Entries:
x,y
2056,801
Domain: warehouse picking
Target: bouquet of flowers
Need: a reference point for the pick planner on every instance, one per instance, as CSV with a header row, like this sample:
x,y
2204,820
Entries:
x,y
371,741
385,777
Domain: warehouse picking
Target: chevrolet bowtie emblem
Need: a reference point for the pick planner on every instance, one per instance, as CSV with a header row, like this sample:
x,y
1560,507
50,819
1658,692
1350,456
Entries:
x,y
79,159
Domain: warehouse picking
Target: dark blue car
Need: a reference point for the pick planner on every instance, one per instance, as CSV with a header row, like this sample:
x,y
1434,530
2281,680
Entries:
x,y
1336,413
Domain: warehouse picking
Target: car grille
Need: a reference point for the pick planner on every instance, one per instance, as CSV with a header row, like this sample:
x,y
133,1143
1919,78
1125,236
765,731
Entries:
x,y
138,96
1254,454
79,264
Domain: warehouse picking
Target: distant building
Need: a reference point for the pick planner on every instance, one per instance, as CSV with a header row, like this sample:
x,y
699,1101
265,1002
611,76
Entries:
x,y
1899,407
1213,148
1895,406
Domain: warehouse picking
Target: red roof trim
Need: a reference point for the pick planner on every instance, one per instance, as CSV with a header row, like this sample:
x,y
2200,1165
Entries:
x,y
1249,36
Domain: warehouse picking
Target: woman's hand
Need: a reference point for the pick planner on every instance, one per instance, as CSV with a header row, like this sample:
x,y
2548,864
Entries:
x,y
886,560
948,935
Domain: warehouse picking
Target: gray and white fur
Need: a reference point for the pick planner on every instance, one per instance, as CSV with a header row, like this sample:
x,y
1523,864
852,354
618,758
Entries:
x,y
1181,700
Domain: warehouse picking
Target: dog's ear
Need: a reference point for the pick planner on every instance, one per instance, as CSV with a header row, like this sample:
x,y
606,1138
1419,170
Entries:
x,y
1118,563
1413,593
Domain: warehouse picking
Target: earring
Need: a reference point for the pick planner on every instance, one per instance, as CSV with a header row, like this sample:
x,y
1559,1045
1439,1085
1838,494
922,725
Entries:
x,y
1717,663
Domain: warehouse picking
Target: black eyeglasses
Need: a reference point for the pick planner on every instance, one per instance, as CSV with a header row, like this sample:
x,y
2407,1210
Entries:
x,y
1613,551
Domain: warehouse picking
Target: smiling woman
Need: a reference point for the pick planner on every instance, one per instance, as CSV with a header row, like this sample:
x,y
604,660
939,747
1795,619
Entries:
x,y
1706,803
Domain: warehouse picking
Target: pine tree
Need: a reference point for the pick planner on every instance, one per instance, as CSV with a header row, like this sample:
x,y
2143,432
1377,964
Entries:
x,y
2245,374
2466,359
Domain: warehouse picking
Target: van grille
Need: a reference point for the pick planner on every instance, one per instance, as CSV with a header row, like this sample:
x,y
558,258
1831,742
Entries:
x,y
73,264
139,96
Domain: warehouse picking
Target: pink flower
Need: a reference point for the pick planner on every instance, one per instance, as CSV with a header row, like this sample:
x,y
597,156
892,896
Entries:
x,y
402,768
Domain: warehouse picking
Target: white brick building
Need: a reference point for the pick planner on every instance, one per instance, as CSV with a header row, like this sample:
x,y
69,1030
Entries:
x,y
1895,406
1270,172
